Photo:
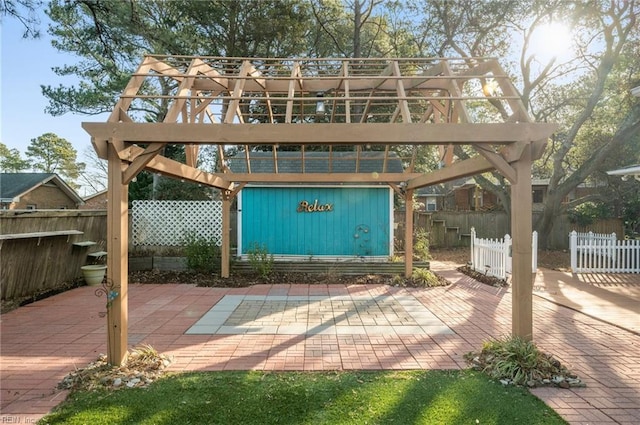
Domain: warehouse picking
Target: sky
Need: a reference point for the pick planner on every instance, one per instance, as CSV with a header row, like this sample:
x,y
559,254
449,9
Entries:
x,y
25,64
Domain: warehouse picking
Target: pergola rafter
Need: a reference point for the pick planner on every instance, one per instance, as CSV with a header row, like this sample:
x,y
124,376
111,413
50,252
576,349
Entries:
x,y
359,109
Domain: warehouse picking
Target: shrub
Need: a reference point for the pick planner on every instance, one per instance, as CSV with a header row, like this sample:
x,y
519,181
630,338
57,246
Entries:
x,y
203,255
588,212
421,245
260,259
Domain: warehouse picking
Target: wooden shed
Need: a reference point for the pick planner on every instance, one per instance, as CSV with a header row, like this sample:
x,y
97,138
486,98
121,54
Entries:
x,y
335,222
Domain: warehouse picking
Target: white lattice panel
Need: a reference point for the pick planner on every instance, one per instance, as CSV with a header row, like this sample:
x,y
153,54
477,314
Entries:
x,y
167,223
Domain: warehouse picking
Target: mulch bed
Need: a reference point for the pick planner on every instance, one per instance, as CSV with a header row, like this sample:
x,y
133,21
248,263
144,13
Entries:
x,y
237,280
8,305
241,280
483,278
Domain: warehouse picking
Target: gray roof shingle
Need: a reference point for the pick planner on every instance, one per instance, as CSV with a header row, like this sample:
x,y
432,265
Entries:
x,y
13,185
316,162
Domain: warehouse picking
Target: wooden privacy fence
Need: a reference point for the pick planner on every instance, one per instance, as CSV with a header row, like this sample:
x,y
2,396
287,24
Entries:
x,y
603,253
493,256
449,229
43,251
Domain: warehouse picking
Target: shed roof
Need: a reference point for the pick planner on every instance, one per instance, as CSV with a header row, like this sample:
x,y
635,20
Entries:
x,y
316,162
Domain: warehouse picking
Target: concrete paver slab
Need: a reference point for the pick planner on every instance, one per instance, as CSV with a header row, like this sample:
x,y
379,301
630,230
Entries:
x,y
356,314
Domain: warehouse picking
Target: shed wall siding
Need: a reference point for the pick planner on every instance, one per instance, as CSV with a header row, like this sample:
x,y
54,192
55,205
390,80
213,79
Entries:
x,y
357,225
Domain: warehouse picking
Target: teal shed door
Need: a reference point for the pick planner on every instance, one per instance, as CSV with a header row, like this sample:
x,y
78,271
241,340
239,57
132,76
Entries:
x,y
316,221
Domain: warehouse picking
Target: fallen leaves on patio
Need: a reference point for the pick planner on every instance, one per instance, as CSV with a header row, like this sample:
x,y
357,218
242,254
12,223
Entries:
x,y
142,366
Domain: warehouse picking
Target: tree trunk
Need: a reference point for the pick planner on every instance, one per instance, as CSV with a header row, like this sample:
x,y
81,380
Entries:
x,y
544,224
559,189
357,18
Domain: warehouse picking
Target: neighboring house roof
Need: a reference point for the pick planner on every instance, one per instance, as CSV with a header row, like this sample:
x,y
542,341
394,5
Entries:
x,y
463,183
535,181
316,162
540,182
437,190
94,195
15,185
633,171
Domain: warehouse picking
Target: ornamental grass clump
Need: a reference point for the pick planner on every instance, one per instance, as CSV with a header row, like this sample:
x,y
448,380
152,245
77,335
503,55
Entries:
x,y
514,360
425,278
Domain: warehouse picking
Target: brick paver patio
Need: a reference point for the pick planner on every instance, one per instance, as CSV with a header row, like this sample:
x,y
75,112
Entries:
x,y
319,327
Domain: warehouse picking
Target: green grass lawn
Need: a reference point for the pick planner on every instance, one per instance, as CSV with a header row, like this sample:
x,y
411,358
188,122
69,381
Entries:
x,y
387,397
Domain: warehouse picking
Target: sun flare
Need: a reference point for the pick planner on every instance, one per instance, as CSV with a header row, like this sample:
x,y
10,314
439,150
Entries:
x,y
551,41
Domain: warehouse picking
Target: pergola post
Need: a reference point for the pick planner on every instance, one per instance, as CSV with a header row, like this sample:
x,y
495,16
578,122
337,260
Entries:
x,y
226,229
521,229
117,259
408,233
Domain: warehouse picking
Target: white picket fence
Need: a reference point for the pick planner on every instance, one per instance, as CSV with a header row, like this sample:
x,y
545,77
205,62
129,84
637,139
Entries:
x,y
600,253
493,256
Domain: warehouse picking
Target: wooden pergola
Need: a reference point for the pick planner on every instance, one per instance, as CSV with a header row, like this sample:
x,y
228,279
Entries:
x,y
240,105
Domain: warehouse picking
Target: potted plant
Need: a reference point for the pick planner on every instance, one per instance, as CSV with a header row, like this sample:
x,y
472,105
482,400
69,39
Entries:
x,y
94,273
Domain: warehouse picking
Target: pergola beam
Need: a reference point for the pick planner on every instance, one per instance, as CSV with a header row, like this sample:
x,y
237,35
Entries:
x,y
324,84
171,168
288,116
320,177
153,149
133,86
404,106
468,167
233,109
177,170
498,162
503,161
328,134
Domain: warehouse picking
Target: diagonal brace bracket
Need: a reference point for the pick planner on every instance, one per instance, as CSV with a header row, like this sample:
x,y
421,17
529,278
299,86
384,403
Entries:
x,y
501,165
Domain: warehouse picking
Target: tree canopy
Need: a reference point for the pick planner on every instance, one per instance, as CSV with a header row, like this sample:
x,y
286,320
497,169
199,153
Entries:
x,y
11,161
584,87
25,11
52,154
